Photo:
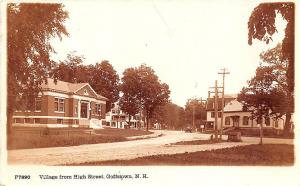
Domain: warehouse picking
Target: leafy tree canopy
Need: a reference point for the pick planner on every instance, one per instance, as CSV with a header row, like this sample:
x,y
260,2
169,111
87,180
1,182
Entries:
x,y
30,26
102,77
261,26
267,92
69,70
196,106
143,90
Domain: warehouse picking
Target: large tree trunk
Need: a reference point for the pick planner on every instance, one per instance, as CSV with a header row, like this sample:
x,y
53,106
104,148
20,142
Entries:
x,y
9,122
261,133
287,125
11,100
9,128
147,122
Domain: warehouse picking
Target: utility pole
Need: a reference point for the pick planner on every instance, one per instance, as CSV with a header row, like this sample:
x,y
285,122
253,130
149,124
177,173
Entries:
x,y
216,91
193,115
200,112
223,72
216,109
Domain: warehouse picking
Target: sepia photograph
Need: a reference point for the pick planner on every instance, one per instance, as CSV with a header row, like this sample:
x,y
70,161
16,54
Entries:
x,y
164,84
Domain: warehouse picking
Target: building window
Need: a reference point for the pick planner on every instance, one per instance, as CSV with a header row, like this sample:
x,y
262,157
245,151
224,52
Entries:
x,y
76,122
38,104
59,121
84,110
37,121
259,121
27,120
219,114
245,120
113,111
113,124
267,121
276,123
212,114
98,109
227,121
19,120
59,105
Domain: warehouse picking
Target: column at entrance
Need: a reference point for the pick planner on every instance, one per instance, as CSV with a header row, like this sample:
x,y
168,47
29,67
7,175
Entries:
x,y
89,110
79,109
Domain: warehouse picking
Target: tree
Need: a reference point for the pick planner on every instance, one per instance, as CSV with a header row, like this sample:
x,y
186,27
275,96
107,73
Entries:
x,y
195,111
284,105
258,97
268,90
129,102
152,93
274,70
69,69
105,81
270,86
30,26
170,115
160,115
261,26
145,89
102,77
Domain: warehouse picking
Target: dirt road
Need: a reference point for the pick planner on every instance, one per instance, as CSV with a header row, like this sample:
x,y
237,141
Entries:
x,y
123,150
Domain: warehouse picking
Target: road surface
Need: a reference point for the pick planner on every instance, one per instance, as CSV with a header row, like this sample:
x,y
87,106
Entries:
x,y
124,150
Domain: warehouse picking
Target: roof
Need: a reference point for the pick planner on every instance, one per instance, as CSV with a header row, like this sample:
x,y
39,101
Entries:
x,y
66,87
227,99
233,105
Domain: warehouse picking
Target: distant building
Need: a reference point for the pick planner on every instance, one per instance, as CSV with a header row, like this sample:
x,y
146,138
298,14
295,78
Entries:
x,y
210,109
157,126
116,118
235,116
64,104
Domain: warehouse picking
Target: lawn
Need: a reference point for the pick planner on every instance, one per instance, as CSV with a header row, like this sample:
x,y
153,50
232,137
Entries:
x,y
267,132
250,155
26,138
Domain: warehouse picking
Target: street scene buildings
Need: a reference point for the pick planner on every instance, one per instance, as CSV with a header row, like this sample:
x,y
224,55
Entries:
x,y
116,118
64,104
131,83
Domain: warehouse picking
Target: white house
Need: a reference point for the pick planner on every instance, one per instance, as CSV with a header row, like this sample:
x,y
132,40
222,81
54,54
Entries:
x,y
236,117
116,118
210,109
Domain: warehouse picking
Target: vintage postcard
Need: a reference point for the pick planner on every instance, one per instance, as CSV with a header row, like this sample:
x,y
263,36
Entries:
x,y
130,92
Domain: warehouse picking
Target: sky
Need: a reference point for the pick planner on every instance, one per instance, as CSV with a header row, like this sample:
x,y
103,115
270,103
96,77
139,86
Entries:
x,y
185,42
